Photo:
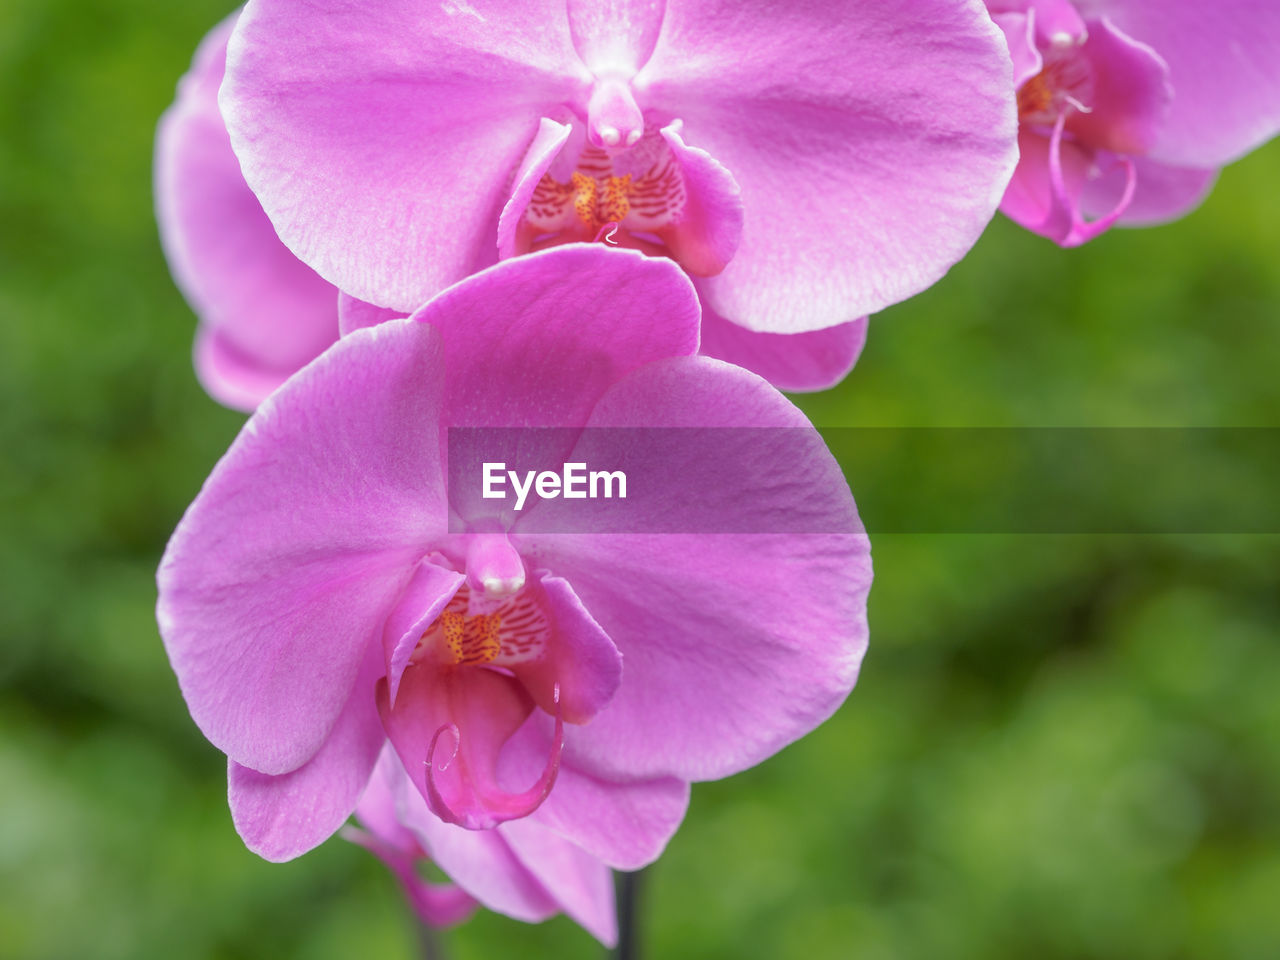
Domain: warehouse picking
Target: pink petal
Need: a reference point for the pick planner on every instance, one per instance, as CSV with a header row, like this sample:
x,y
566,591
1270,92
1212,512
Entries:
x,y
580,884
706,239
1162,193
1131,94
514,235
615,37
282,571
525,348
734,644
284,816
479,861
377,810
624,824
267,312
381,138
355,314
582,661
230,376
871,142
796,362
1020,34
1223,67
437,904
527,873
427,594
570,341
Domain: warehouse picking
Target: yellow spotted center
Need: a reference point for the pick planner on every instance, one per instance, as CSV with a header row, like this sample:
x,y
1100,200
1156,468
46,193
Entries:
x,y
471,640
592,209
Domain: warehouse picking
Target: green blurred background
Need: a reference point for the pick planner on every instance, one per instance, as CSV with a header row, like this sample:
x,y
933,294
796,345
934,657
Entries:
x,y
1060,747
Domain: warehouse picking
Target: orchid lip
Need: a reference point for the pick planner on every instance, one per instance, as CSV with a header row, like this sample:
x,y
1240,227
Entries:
x,y
492,807
655,195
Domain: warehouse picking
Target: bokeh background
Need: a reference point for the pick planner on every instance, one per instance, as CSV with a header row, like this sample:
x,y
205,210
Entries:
x,y
1060,747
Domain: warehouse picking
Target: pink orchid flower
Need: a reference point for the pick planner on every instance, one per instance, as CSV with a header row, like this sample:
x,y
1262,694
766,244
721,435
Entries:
x,y
1128,107
520,869
263,313
328,591
806,162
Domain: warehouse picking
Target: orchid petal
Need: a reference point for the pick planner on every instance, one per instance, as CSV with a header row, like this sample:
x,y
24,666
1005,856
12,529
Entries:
x,y
1131,93
528,877
1223,67
282,817
378,809
706,238
535,341
513,232
285,567
795,362
263,313
229,375
871,142
581,884
436,904
734,643
427,594
1019,31
615,37
362,169
624,824
356,314
1162,193
582,663
479,861
1051,19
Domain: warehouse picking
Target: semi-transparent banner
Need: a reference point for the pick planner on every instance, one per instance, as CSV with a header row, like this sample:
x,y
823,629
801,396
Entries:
x,y
905,480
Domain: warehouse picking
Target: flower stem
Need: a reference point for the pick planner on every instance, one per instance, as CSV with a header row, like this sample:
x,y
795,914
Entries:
x,y
429,943
628,887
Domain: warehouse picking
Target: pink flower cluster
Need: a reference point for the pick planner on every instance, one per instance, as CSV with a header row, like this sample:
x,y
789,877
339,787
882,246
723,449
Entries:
x,y
556,218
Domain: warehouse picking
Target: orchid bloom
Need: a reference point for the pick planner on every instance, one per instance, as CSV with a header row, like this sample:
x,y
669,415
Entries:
x,y
806,162
327,591
520,869
1128,107
263,313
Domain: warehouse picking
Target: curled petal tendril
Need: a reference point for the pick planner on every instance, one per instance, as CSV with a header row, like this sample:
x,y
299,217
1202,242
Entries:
x,y
493,807
1073,227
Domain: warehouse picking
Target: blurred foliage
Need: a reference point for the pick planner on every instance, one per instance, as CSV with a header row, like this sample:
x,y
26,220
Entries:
x,y
1061,747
